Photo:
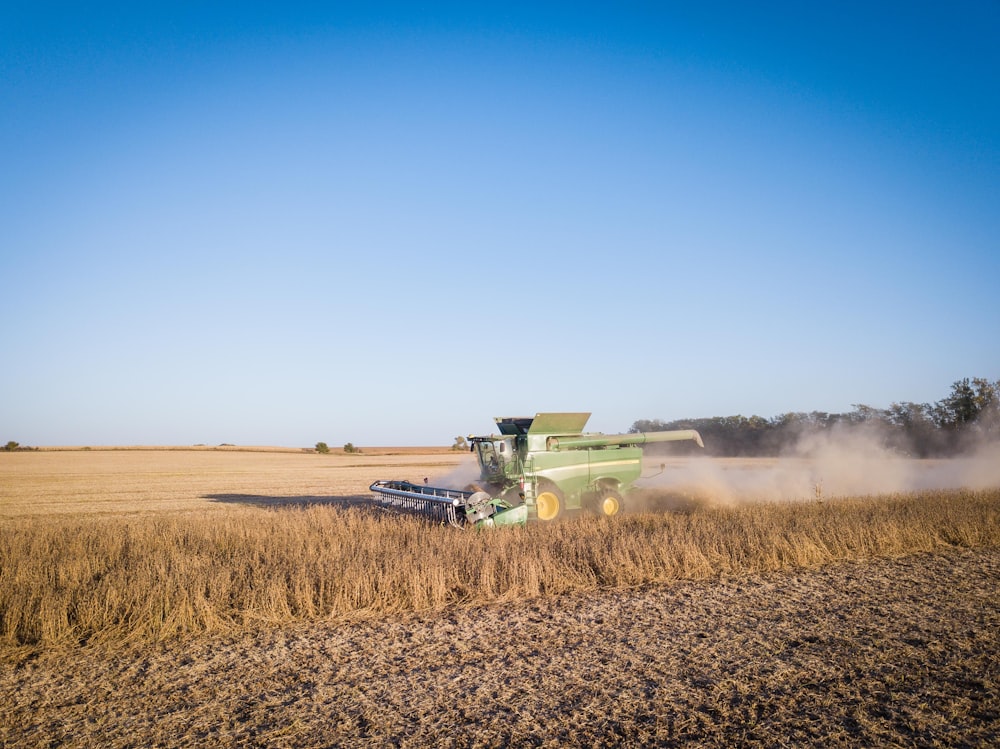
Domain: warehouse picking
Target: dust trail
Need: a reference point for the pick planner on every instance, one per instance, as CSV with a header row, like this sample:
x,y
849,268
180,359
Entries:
x,y
845,462
840,463
459,477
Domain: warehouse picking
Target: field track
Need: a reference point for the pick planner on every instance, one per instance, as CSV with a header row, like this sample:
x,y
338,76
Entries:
x,y
892,649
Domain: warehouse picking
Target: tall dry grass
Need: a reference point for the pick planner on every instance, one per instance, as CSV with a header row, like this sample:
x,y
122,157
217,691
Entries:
x,y
104,579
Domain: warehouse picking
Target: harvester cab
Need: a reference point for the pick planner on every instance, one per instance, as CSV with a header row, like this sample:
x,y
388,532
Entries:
x,y
501,458
537,467
495,457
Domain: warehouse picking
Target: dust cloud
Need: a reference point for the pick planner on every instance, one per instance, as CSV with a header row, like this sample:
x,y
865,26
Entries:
x,y
840,463
461,477
837,464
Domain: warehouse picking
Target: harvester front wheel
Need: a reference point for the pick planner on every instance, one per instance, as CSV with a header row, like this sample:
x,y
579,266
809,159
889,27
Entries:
x,y
549,502
610,503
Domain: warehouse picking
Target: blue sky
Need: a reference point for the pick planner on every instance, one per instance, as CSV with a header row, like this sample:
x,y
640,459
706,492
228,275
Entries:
x,y
285,223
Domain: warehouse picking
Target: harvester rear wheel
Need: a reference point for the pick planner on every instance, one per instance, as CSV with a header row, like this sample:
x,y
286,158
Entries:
x,y
610,503
549,502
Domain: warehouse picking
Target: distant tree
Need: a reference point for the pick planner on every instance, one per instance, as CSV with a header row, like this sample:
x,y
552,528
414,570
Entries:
x,y
967,401
350,448
460,444
649,425
322,448
911,430
11,446
863,414
989,415
970,413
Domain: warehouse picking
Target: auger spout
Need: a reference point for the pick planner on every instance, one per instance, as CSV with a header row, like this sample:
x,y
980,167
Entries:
x,y
636,438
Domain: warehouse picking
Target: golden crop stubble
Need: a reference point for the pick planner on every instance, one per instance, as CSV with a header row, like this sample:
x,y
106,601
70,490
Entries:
x,y
111,578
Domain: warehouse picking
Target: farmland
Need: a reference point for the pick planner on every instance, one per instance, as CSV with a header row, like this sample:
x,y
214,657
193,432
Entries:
x,y
253,597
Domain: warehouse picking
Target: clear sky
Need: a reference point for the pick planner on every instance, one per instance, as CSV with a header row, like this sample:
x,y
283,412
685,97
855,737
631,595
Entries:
x,y
283,223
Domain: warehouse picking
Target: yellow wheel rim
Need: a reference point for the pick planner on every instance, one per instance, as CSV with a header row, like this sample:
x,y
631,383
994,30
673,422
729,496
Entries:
x,y
610,506
547,505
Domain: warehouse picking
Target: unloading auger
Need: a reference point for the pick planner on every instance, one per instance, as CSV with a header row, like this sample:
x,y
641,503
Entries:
x,y
537,467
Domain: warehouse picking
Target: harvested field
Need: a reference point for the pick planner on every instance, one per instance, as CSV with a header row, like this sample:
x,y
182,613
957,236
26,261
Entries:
x,y
129,481
889,652
191,598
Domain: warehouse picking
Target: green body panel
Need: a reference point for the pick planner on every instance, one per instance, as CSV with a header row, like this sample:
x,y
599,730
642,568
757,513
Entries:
x,y
550,450
577,472
514,516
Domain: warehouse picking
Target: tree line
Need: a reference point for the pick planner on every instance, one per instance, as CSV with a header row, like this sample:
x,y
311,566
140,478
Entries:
x,y
969,414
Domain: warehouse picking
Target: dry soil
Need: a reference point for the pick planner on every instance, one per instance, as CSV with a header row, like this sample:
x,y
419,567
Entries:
x,y
892,652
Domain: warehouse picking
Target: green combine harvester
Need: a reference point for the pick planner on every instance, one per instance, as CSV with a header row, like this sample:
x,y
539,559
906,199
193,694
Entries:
x,y
536,468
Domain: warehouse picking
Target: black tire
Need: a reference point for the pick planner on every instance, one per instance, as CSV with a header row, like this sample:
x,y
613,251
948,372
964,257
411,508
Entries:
x,y
610,503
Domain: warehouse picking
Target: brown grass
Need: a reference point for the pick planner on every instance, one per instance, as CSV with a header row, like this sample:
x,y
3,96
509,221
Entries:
x,y
101,578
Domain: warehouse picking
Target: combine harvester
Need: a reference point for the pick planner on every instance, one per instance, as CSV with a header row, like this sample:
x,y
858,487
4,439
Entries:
x,y
538,467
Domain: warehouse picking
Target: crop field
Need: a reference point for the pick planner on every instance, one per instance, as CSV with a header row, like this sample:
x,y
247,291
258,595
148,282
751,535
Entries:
x,y
236,598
